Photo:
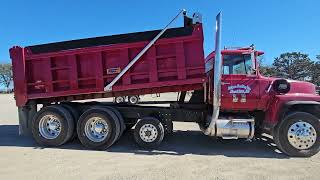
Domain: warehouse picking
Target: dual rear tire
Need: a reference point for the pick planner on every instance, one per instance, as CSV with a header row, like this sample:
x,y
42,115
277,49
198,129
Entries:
x,y
53,126
98,128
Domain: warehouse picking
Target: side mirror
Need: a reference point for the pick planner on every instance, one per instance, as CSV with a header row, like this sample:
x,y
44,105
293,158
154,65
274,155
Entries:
x,y
281,86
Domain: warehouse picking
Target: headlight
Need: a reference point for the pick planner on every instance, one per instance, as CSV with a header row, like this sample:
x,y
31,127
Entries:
x,y
281,86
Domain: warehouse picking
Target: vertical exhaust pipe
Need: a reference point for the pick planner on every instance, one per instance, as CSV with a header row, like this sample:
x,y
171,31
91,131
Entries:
x,y
211,129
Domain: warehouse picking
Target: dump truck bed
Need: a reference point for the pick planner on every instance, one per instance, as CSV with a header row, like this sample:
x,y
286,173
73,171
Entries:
x,y
80,69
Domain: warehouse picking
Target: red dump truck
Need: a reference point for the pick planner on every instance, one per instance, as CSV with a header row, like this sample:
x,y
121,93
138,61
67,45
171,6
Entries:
x,y
230,98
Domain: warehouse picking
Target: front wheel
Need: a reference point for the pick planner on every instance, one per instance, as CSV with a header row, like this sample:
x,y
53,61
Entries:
x,y
298,134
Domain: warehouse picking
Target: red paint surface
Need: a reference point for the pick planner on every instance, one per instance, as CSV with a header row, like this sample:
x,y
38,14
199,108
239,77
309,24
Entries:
x,y
171,62
258,98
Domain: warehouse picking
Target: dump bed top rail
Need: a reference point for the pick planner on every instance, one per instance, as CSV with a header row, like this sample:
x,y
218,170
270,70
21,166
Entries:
x,y
109,40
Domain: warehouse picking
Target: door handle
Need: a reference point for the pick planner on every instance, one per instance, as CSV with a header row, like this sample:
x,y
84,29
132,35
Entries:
x,y
225,83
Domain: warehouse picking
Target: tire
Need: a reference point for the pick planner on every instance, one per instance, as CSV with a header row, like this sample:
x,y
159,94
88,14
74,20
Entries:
x,y
87,137
116,121
166,122
119,99
120,119
76,115
153,126
61,122
133,99
287,134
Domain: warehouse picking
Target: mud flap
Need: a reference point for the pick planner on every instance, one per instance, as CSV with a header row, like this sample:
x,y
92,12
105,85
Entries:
x,y
26,113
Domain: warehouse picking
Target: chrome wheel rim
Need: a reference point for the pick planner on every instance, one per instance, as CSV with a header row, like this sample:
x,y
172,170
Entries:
x,y
148,133
50,126
302,135
96,129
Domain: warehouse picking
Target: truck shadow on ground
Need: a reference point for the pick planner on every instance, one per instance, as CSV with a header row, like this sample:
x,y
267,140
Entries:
x,y
178,143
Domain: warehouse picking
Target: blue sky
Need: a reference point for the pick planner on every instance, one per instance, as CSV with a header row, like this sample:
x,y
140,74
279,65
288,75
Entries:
x,y
274,26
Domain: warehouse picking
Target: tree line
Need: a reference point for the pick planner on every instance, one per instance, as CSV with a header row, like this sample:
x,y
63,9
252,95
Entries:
x,y
6,76
295,66
290,65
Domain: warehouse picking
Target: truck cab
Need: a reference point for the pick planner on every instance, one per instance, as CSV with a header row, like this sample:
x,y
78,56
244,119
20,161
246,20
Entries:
x,y
288,110
242,86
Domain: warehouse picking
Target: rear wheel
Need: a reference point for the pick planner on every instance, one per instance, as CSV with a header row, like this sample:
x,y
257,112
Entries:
x,y
98,128
52,126
120,119
75,114
149,132
298,134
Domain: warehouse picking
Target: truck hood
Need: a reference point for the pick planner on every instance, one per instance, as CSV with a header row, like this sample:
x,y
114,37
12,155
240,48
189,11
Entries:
x,y
298,86
302,87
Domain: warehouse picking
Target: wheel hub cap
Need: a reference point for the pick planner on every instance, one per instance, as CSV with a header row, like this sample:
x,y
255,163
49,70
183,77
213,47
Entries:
x,y
302,135
99,128
49,126
96,129
53,125
148,133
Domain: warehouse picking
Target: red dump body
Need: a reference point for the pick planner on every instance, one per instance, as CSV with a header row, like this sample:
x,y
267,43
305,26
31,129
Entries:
x,y
80,69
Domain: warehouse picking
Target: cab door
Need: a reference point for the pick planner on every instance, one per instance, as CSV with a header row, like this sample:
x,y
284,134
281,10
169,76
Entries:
x,y
239,82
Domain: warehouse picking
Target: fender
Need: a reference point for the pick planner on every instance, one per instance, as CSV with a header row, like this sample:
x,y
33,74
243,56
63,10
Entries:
x,y
287,106
279,107
291,103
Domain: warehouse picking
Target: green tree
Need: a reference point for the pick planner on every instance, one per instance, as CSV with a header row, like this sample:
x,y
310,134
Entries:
x,y
316,72
6,75
294,65
264,69
267,70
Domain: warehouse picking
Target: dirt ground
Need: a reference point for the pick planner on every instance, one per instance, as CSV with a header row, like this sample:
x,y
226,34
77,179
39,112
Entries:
x,y
187,154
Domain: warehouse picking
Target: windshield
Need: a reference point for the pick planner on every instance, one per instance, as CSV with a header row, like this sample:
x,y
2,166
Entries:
x,y
237,64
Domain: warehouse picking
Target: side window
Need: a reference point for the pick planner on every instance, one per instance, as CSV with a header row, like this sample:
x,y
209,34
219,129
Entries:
x,y
237,64
225,70
248,63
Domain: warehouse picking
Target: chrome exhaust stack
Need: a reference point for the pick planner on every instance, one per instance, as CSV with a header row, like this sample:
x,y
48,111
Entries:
x,y
211,129
227,128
